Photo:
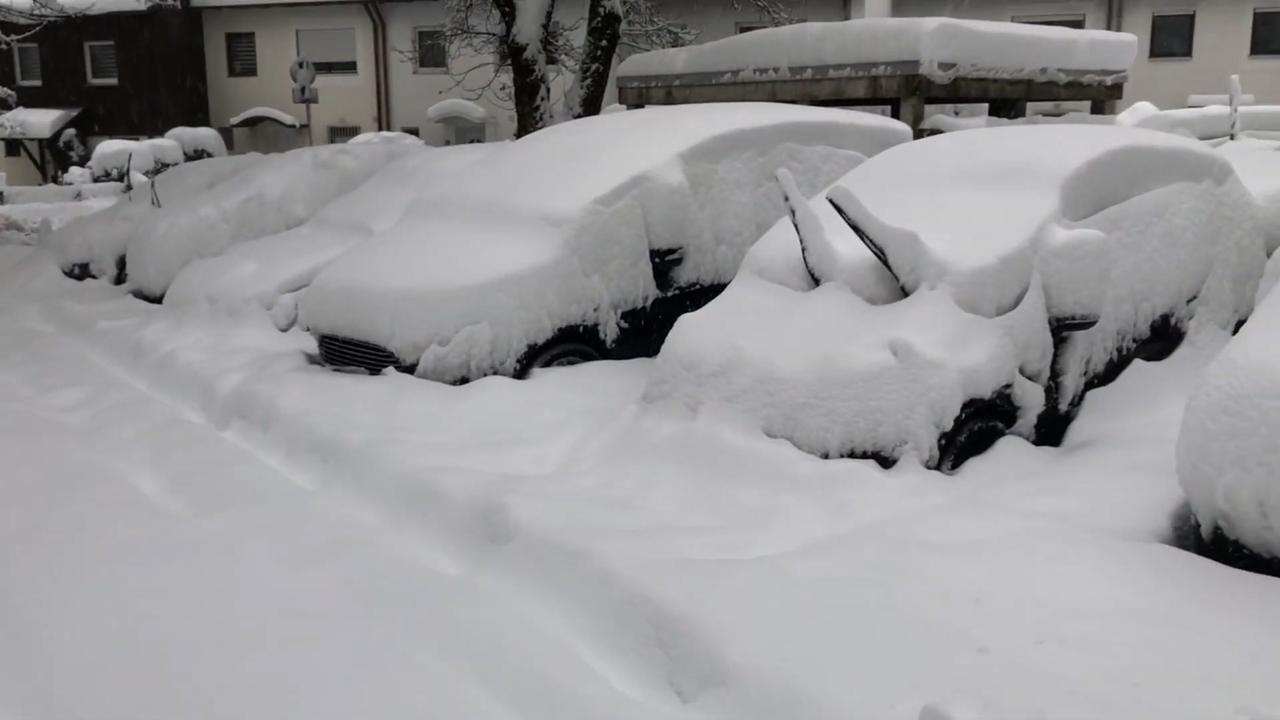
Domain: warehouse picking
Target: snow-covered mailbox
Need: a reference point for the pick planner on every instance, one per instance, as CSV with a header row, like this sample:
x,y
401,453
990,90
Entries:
x,y
902,63
464,121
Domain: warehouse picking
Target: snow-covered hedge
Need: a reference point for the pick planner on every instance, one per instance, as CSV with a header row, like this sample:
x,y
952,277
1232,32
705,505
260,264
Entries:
x,y
112,160
166,152
198,143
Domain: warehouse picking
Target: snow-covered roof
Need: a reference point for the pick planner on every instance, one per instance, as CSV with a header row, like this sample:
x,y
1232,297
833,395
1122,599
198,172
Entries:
x,y
457,108
939,48
966,208
35,123
257,115
84,7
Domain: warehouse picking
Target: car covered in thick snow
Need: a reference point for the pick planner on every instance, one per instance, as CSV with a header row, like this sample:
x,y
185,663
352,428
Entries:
x,y
270,270
1034,263
94,246
282,191
1228,451
581,241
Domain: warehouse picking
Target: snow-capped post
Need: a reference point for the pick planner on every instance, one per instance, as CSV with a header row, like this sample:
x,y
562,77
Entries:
x,y
303,74
1236,92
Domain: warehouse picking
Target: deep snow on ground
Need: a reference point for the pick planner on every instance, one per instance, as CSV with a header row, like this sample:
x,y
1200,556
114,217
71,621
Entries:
x,y
199,523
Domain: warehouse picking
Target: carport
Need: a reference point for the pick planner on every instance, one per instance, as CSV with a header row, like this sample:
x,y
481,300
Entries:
x,y
38,126
901,63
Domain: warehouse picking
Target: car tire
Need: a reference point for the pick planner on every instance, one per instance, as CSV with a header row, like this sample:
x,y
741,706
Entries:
x,y
560,352
978,426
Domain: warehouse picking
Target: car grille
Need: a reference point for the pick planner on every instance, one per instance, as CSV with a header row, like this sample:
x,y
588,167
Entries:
x,y
348,353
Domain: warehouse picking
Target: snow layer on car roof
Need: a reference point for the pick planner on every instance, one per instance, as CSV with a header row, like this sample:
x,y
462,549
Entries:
x,y
968,209
945,48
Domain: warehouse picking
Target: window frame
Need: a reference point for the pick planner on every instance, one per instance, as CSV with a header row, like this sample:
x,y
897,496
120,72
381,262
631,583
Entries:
x,y
1054,20
1151,39
418,67
1253,28
253,35
17,65
88,63
355,44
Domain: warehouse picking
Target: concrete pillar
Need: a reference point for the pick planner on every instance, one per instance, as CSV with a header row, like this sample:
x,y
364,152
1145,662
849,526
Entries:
x,y
1102,107
910,110
878,8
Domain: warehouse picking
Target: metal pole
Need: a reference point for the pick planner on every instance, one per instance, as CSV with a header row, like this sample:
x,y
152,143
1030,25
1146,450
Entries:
x,y
310,137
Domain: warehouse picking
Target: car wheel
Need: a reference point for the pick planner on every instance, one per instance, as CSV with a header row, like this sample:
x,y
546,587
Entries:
x,y
978,426
559,352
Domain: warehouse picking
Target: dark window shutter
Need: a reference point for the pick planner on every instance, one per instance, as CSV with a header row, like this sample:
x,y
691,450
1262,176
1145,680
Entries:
x,y
242,54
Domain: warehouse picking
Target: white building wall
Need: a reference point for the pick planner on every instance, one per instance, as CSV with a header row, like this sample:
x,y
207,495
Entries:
x,y
344,99
1094,11
1220,49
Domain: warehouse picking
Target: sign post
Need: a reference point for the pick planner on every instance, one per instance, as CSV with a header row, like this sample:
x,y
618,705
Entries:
x,y
303,74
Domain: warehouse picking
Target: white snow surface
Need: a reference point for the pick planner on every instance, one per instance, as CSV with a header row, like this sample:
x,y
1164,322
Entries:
x,y
262,270
101,239
195,140
1257,163
386,136
281,192
944,48
1122,224
951,123
1227,448
111,158
1203,123
457,108
265,113
504,261
179,479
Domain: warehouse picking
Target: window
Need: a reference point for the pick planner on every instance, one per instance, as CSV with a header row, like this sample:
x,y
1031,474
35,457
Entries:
x,y
342,133
750,27
1265,39
430,49
332,51
12,148
100,63
242,54
26,63
1075,22
411,130
1172,34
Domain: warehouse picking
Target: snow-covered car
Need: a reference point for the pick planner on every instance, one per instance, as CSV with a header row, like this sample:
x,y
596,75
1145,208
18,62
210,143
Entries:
x,y
280,192
1034,262
267,271
94,246
581,241
1228,449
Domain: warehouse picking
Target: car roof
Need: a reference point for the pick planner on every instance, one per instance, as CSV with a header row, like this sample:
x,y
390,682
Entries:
x,y
975,202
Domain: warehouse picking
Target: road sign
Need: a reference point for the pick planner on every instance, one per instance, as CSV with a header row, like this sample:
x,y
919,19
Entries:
x,y
302,72
305,95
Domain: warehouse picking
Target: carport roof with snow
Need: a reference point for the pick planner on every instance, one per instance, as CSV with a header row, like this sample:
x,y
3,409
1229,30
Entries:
x,y
900,62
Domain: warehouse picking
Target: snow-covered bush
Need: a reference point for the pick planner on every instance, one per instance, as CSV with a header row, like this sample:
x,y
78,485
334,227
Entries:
x,y
1229,445
76,175
112,160
198,143
166,152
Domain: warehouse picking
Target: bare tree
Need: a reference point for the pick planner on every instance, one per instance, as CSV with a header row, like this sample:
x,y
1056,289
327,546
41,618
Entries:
x,y
17,23
508,46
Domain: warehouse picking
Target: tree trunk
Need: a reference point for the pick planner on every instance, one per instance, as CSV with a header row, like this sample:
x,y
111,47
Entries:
x,y
604,30
531,88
